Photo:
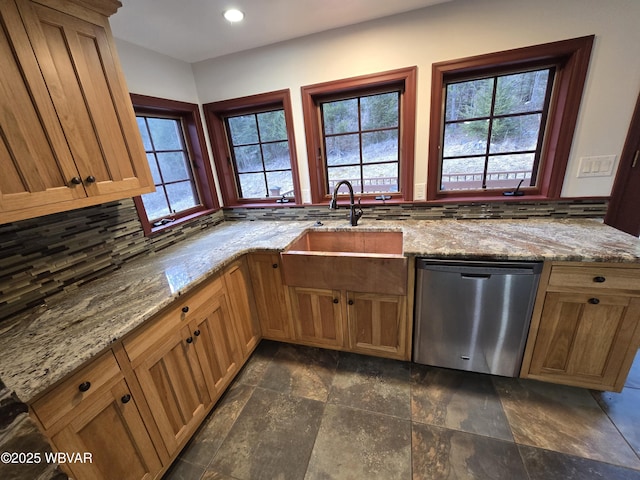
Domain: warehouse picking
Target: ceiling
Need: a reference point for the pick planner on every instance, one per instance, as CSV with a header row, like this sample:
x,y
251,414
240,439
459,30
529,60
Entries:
x,y
195,30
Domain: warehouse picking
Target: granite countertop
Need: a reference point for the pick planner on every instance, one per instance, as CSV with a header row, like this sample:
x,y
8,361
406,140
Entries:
x,y
41,346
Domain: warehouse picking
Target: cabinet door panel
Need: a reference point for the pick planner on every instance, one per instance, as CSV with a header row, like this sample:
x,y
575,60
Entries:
x,y
79,67
270,296
36,163
317,315
242,305
114,433
174,388
216,344
377,324
584,338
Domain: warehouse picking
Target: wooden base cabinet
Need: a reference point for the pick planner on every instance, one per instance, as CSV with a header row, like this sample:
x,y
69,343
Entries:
x,y
318,316
112,431
241,302
271,296
377,324
368,323
177,364
184,360
216,345
174,387
95,411
586,326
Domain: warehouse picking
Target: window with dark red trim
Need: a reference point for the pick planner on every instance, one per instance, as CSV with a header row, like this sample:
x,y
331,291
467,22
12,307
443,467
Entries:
x,y
173,138
502,123
362,129
254,149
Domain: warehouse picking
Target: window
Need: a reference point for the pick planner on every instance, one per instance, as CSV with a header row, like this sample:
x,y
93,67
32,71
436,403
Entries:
x,y
504,122
361,142
173,139
362,130
254,149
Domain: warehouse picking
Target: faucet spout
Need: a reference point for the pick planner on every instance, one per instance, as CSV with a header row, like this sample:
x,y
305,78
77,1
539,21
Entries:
x,y
354,213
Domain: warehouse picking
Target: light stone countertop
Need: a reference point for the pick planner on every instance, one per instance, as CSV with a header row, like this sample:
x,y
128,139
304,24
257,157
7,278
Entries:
x,y
43,345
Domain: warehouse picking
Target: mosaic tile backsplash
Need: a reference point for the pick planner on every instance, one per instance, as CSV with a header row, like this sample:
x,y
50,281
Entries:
x,y
47,255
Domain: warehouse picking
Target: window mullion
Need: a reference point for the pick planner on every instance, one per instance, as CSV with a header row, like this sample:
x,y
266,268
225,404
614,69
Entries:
x,y
264,167
155,159
360,145
489,130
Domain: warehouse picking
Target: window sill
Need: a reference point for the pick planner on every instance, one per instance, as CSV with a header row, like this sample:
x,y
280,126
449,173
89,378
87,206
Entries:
x,y
273,204
179,221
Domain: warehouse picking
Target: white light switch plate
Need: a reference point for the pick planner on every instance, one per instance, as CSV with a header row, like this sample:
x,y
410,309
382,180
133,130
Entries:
x,y
600,166
420,192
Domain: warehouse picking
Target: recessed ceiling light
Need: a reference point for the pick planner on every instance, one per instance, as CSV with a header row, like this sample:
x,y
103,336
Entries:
x,y
233,15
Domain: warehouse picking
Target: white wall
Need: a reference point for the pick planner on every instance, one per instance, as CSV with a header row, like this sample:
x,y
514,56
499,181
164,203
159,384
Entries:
x,y
443,32
156,75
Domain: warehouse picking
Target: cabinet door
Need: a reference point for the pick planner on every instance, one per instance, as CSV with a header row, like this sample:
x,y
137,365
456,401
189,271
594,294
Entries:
x,y
112,431
377,324
243,311
270,296
80,68
215,342
317,316
174,387
36,163
584,339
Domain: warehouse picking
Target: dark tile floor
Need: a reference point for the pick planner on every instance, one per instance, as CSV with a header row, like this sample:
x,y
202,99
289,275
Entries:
x,y
305,413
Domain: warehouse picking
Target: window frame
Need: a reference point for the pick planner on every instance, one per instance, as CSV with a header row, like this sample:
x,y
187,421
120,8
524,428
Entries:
x,y
215,115
403,79
193,132
571,60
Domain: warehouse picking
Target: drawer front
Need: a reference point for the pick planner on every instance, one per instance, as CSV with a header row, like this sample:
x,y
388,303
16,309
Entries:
x,y
182,311
81,386
595,276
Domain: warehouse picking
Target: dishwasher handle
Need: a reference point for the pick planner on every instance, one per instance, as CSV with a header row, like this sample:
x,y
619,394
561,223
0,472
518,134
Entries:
x,y
476,276
472,267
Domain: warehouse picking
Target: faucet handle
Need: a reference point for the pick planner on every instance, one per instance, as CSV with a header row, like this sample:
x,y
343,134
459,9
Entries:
x,y
359,212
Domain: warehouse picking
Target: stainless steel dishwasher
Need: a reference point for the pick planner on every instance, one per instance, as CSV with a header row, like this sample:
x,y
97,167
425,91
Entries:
x,y
473,315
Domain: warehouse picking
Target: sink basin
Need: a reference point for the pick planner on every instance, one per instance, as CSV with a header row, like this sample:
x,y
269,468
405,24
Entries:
x,y
349,242
360,261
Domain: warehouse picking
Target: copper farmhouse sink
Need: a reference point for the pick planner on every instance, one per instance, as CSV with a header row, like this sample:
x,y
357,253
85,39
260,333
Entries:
x,y
360,261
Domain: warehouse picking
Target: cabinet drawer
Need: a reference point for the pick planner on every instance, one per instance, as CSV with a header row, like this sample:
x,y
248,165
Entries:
x,y
595,276
182,311
83,385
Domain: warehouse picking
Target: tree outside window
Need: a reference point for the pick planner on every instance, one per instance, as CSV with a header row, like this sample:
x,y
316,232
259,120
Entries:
x,y
505,119
260,152
493,130
168,158
361,142
362,129
254,149
173,138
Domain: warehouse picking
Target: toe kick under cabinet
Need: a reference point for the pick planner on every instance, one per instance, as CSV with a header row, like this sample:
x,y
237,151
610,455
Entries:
x,y
134,407
585,329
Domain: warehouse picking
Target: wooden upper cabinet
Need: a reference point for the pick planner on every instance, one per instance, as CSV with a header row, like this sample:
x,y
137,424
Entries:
x,y
37,164
70,134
